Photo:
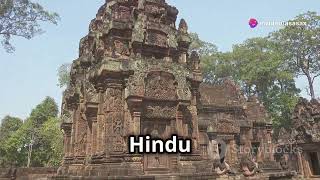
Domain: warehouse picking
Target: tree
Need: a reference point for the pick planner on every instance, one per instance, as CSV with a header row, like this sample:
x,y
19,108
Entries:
x,y
259,68
301,45
8,126
64,75
216,65
203,48
13,150
47,109
39,116
36,142
262,72
22,18
51,143
219,66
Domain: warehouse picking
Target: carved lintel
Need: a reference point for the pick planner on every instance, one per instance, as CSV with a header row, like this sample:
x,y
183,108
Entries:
x,y
193,157
67,128
135,103
137,158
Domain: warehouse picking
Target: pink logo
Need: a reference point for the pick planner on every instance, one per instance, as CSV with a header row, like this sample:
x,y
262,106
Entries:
x,y
253,23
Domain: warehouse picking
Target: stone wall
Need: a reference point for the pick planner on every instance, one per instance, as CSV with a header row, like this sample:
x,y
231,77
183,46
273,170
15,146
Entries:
x,y
26,173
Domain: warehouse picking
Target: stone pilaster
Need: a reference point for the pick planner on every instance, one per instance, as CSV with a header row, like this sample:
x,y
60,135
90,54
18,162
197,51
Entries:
x,y
114,111
100,124
233,151
67,129
135,106
179,123
195,122
94,137
73,133
136,123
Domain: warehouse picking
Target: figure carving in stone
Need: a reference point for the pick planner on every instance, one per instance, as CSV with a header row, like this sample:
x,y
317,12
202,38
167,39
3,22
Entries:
x,y
139,30
141,4
213,150
249,166
120,50
221,168
284,163
195,58
161,86
183,26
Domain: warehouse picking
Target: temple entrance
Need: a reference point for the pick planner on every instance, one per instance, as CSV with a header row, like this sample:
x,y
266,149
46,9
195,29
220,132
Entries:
x,y
222,149
255,149
314,163
156,163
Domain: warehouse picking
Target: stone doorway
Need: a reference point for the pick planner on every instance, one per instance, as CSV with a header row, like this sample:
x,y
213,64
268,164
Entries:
x,y
314,163
156,163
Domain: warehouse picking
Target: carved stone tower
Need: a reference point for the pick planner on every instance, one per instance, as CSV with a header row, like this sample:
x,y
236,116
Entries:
x,y
134,76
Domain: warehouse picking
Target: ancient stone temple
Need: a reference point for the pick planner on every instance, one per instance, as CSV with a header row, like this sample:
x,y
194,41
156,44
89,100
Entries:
x,y
227,119
302,144
136,76
133,77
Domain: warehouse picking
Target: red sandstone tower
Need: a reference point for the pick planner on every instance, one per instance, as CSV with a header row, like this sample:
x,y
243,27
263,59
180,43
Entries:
x,y
133,77
136,76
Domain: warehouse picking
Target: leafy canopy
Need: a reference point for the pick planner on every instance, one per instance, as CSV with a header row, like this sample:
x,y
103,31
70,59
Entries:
x,y
42,131
300,46
22,18
8,126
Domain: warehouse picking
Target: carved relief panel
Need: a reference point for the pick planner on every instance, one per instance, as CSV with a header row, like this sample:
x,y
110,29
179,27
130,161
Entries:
x,y
120,48
81,133
91,95
156,38
161,86
225,123
113,109
121,13
158,110
86,46
156,13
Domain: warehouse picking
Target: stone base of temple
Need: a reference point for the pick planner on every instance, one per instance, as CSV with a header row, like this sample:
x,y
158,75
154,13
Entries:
x,y
196,169
105,170
186,176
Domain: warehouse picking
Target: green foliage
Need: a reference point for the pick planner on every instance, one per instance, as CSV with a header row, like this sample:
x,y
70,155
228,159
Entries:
x,y
64,75
300,47
201,47
45,110
280,102
262,72
22,18
259,67
8,126
14,152
218,67
41,132
50,149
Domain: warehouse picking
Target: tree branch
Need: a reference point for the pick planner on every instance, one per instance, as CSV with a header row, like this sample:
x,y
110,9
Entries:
x,y
315,77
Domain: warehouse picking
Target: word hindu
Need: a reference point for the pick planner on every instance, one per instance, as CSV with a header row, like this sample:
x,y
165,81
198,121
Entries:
x,y
147,145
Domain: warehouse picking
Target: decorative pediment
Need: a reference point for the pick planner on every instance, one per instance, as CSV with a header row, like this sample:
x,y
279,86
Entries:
x,y
224,123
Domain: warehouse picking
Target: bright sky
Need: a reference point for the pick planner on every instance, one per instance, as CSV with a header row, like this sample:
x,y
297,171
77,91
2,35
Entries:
x,y
30,74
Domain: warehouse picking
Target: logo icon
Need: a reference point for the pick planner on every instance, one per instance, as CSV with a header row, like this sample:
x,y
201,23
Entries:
x,y
253,23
